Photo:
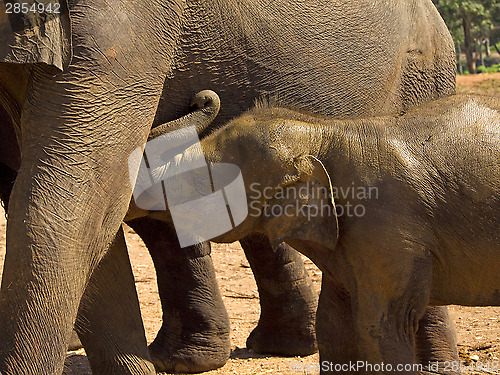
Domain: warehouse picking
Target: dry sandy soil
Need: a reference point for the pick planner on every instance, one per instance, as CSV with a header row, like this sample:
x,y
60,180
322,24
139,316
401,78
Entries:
x,y
479,83
478,328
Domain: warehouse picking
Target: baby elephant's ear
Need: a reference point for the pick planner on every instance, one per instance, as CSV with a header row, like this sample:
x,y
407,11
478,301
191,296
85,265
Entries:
x,y
303,208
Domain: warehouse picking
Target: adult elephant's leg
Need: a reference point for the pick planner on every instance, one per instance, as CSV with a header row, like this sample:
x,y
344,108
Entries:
x,y
10,158
436,341
66,205
194,336
73,189
287,299
70,196
109,318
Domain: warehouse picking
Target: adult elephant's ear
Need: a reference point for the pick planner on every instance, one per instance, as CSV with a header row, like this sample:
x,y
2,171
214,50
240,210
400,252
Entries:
x,y
35,32
303,207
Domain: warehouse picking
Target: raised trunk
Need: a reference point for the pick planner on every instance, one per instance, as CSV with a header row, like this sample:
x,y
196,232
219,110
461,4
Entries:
x,y
207,103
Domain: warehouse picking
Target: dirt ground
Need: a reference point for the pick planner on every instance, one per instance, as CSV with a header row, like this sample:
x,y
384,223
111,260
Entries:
x,y
488,84
478,328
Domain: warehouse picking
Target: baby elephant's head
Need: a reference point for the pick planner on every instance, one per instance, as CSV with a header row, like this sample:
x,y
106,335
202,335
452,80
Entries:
x,y
243,178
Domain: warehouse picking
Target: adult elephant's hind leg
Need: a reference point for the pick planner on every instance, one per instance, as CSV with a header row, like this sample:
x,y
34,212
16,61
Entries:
x,y
194,336
287,299
109,318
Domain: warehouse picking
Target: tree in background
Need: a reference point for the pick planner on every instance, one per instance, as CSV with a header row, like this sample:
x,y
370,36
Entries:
x,y
473,25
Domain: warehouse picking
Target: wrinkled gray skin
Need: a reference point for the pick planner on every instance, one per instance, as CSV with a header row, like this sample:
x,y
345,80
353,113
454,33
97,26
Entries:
x,y
135,66
428,234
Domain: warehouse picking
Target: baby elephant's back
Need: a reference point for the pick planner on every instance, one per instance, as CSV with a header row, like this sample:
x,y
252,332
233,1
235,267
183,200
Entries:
x,y
458,137
468,134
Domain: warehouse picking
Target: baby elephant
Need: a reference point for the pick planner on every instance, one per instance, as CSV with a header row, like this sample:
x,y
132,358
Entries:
x,y
399,212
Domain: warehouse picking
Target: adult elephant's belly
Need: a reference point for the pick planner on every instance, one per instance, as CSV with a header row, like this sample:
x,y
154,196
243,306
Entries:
x,y
371,59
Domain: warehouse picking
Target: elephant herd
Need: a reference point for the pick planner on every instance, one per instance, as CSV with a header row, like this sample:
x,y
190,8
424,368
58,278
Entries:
x,y
371,84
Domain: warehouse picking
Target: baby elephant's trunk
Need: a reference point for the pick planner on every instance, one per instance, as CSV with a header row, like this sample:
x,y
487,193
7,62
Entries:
x,y
207,105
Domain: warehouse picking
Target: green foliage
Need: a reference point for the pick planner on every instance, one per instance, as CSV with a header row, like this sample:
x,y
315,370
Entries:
x,y
490,69
471,23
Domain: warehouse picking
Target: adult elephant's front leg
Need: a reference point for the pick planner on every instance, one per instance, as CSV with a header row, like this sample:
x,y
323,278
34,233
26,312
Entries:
x,y
70,196
73,188
194,336
109,318
287,298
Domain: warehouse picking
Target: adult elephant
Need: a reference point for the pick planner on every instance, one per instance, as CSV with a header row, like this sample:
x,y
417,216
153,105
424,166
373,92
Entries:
x,y
203,342
132,67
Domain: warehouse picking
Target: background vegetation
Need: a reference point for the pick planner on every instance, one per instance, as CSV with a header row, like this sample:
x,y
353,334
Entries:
x,y
475,27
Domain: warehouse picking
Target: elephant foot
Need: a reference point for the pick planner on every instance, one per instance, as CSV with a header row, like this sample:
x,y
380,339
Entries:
x,y
194,336
190,354
286,326
282,341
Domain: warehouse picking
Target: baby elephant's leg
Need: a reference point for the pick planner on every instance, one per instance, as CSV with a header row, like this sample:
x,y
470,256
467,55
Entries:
x,y
437,342
370,315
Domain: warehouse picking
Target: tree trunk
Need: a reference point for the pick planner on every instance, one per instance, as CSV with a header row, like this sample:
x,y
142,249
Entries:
x,y
469,42
479,48
487,46
459,59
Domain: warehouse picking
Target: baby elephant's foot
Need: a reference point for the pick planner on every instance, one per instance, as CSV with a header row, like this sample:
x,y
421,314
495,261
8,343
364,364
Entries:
x,y
436,343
